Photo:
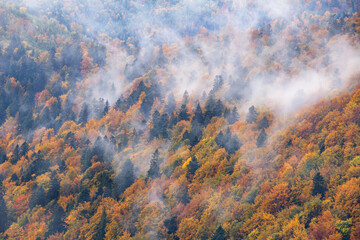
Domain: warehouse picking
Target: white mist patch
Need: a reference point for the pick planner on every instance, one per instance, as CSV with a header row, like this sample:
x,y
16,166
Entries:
x,y
226,45
345,58
109,82
287,93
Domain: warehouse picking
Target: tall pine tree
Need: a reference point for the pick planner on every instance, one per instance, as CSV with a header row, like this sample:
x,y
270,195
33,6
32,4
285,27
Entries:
x,y
219,234
192,167
100,230
252,115
84,113
154,170
261,138
3,214
319,185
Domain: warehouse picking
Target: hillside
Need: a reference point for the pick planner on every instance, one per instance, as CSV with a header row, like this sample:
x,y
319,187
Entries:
x,y
179,119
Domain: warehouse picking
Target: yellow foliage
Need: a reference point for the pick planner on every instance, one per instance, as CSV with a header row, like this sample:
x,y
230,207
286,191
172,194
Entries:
x,y
188,229
294,230
186,163
44,180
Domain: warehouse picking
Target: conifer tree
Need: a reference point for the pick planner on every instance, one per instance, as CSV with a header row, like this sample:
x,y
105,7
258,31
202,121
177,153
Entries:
x,y
263,123
199,117
106,108
171,225
16,155
84,113
192,167
54,190
24,149
3,214
185,99
319,185
37,197
56,224
233,116
3,157
100,230
154,131
154,170
125,178
183,114
261,138
121,104
219,234
252,115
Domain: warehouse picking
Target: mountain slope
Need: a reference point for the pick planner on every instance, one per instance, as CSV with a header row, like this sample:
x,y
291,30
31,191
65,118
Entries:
x,y
179,120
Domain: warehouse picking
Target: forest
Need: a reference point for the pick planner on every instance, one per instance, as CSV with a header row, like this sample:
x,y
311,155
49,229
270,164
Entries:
x,y
169,119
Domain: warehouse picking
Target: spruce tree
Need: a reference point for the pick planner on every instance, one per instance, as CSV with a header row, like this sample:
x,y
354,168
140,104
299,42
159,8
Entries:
x,y
106,108
121,104
16,155
218,83
209,109
3,157
37,197
192,167
56,224
156,125
84,195
54,190
219,108
261,138
263,123
154,170
219,234
24,149
171,225
233,116
252,115
199,117
185,99
3,214
125,178
319,185
84,113
183,114
100,231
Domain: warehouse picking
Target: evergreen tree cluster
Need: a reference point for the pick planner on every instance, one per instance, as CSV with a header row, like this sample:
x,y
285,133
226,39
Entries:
x,y
230,142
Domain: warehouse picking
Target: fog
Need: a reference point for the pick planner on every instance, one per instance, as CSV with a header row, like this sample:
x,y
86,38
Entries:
x,y
269,53
204,40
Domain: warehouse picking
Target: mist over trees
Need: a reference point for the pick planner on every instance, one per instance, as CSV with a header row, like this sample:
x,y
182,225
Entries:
x,y
179,119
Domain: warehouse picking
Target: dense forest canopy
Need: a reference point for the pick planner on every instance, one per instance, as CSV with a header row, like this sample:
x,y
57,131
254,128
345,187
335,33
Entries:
x,y
171,119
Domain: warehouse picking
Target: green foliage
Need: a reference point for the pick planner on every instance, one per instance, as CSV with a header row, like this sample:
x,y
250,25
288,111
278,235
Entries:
x,y
100,230
192,167
344,227
84,114
319,185
219,234
230,142
65,168
56,224
154,170
171,225
3,214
